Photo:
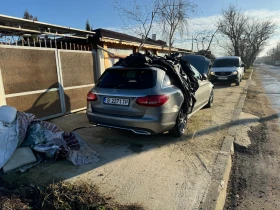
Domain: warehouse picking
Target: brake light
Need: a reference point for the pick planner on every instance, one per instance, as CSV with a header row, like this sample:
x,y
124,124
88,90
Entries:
x,y
152,101
91,96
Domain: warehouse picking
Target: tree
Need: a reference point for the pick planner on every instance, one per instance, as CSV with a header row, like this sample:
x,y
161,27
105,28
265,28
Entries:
x,y
232,24
257,33
204,39
88,26
272,56
247,35
138,17
170,15
28,16
174,16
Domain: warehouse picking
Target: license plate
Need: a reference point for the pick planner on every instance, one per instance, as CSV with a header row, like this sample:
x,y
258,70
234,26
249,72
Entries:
x,y
116,101
222,78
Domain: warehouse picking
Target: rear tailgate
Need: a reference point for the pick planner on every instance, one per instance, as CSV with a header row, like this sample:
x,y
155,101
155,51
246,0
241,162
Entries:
x,y
118,90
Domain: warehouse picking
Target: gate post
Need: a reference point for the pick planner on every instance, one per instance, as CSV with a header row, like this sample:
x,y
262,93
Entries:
x,y
2,91
60,81
100,61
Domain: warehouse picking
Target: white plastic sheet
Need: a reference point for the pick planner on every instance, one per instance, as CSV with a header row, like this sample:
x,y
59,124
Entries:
x,y
8,134
18,129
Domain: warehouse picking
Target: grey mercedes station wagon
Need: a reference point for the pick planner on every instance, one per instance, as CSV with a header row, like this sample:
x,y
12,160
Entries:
x,y
143,100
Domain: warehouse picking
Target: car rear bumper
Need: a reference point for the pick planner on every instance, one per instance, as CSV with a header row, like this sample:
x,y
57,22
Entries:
x,y
145,125
230,78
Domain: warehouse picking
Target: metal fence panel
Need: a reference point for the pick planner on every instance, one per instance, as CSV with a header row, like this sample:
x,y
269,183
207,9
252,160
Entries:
x,y
46,82
25,70
77,73
30,80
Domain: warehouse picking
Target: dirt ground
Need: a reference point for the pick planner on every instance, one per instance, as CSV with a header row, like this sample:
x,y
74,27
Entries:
x,y
156,172
255,177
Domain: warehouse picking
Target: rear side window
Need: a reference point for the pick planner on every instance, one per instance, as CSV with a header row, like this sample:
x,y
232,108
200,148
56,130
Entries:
x,y
226,63
127,79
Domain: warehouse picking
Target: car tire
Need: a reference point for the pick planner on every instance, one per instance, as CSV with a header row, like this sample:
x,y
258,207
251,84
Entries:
x,y
237,83
181,123
210,101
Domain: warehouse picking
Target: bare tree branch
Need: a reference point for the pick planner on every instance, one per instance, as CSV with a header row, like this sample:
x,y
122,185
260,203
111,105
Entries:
x,y
248,36
173,17
138,17
232,24
256,35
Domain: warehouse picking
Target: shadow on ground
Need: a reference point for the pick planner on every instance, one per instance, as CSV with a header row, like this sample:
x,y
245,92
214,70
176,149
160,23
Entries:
x,y
222,85
112,145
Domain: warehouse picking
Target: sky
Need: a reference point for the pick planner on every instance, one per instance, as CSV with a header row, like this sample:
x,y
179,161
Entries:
x,y
101,14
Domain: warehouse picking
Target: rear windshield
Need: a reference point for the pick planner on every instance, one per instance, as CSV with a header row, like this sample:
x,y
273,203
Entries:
x,y
127,79
226,63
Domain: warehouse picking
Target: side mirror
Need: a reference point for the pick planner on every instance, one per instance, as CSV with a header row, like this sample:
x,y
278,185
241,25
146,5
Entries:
x,y
204,76
243,65
210,66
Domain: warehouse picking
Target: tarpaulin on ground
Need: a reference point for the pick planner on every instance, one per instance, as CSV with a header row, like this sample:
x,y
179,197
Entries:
x,y
49,142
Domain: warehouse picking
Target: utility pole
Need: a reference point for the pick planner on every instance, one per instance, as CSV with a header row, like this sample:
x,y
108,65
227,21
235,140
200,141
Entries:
x,y
192,43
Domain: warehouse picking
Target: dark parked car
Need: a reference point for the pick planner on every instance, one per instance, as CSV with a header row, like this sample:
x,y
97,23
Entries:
x,y
201,63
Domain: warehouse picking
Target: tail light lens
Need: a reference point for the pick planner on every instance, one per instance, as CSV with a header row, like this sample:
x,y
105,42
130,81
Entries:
x,y
91,96
152,101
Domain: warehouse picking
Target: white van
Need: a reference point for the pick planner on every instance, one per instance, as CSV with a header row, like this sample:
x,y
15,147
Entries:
x,y
228,68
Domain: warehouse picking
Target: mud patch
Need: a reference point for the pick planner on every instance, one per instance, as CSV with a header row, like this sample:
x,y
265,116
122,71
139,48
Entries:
x,y
239,177
241,149
56,196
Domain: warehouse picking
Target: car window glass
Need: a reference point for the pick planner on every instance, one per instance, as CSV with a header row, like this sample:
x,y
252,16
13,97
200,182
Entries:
x,y
166,81
226,63
196,73
127,79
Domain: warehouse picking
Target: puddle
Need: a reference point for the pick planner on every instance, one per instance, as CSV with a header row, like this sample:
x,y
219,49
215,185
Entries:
x,y
272,90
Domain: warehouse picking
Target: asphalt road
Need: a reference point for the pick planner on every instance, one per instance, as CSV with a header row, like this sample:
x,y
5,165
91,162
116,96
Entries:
x,y
157,172
255,177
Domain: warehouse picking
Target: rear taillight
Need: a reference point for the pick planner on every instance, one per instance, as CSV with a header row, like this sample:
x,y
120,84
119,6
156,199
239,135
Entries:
x,y
91,96
152,101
